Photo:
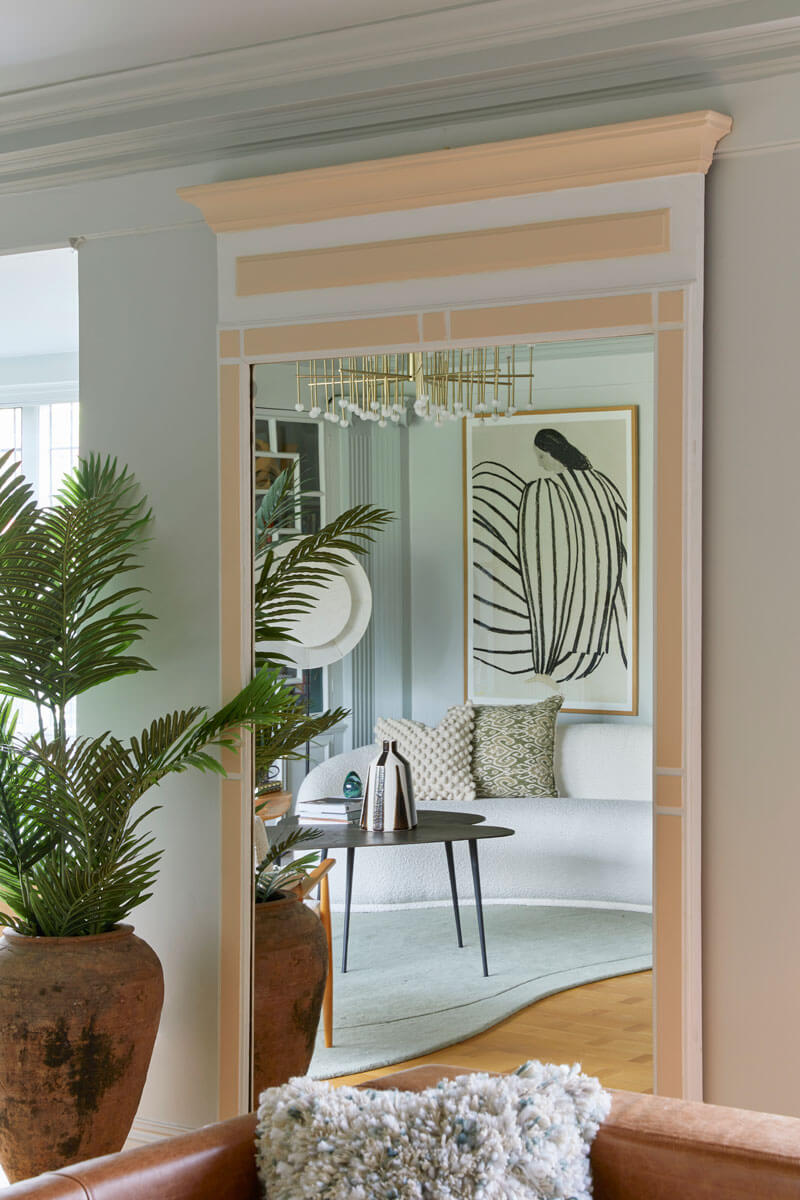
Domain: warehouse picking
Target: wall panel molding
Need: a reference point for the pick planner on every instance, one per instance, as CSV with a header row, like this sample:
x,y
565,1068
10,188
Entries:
x,y
512,247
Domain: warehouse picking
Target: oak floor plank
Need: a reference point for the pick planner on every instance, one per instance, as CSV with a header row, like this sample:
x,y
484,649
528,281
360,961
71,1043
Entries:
x,y
606,1026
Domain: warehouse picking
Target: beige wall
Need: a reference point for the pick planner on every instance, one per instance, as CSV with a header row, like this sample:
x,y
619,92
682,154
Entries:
x,y
131,366
751,828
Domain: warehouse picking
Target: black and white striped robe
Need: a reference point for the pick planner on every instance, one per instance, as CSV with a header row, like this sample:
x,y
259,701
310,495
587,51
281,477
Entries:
x,y
549,559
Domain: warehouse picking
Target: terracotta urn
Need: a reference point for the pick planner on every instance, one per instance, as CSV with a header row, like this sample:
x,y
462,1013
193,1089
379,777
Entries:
x,y
78,1019
290,969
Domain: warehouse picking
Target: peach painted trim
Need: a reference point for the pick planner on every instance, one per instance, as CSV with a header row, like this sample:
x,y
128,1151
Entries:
x,y
669,540
673,145
230,343
555,316
544,243
322,336
232,607
669,791
434,327
670,307
668,953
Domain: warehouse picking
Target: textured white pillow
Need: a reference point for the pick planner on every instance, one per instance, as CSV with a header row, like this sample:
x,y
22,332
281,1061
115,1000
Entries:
x,y
512,1137
440,756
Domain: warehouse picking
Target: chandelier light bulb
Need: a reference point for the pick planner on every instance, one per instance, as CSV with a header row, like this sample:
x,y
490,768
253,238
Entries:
x,y
315,411
299,407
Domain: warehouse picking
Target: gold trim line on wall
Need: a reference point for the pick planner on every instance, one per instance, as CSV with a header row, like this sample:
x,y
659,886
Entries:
x,y
514,247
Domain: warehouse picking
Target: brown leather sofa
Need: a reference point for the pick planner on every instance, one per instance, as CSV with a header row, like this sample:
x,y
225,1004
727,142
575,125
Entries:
x,y
648,1149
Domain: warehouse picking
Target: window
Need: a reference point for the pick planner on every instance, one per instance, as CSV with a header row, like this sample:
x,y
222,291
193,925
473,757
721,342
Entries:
x,y
11,431
278,443
44,438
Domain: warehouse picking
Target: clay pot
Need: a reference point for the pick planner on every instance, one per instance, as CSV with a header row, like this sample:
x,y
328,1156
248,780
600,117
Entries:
x,y
78,1019
289,972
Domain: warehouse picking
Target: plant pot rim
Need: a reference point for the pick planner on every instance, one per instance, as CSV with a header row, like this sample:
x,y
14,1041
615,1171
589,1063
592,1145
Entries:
x,y
26,939
283,898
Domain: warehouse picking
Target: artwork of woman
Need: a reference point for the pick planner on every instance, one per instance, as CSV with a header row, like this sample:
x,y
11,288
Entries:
x,y
550,563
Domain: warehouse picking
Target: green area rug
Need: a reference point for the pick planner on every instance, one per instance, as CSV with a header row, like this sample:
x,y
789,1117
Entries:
x,y
409,989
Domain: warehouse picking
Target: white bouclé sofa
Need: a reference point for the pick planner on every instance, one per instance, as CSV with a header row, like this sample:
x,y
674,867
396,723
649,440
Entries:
x,y
592,843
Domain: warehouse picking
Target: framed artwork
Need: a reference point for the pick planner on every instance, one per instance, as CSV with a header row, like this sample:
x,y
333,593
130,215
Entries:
x,y
551,586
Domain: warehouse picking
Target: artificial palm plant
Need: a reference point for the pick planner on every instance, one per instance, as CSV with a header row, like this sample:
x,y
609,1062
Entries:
x,y
75,855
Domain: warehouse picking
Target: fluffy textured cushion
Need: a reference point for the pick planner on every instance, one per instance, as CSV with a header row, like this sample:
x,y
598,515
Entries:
x,y
478,1136
512,751
439,755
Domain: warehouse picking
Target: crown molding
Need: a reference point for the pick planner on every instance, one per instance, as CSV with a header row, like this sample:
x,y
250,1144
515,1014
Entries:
x,y
377,44
676,145
264,98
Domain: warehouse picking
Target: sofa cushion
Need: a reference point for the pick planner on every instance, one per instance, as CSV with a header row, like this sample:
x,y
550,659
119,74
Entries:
x,y
497,1137
439,755
512,753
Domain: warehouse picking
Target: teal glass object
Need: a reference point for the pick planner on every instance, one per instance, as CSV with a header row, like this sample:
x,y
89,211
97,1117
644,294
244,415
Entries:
x,y
352,786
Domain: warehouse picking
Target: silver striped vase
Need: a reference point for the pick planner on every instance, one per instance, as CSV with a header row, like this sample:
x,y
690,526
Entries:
x,y
389,793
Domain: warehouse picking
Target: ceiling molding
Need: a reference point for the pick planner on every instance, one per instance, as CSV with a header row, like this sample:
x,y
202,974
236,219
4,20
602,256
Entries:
x,y
250,101
678,145
378,44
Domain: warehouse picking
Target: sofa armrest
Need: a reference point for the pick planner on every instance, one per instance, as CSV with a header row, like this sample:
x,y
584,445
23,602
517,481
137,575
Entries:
x,y
653,1148
213,1163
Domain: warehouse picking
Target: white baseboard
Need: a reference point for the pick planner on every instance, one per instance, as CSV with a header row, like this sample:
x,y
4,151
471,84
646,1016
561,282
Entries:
x,y
467,903
144,1132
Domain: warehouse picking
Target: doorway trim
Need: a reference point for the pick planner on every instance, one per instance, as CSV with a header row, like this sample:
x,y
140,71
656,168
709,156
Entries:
x,y
654,286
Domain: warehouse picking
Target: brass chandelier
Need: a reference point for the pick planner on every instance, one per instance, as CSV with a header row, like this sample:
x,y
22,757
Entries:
x,y
437,385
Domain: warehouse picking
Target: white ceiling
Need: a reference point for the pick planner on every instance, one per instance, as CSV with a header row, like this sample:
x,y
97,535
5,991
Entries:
x,y
38,303
55,41
52,41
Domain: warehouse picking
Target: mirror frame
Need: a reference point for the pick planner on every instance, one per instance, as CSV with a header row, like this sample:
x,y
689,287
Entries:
x,y
593,233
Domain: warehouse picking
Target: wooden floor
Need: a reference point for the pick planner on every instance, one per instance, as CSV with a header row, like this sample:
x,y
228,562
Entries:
x,y
606,1026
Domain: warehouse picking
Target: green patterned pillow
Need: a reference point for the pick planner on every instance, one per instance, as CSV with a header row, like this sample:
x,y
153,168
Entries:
x,y
512,749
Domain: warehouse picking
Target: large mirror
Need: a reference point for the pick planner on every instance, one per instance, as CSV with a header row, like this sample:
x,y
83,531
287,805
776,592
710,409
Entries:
x,y
497,634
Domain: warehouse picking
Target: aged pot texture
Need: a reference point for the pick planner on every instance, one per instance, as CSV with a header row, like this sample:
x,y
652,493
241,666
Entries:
x,y
78,1019
290,969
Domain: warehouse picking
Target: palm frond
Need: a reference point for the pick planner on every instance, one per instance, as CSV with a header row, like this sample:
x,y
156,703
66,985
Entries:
x,y
272,876
66,623
289,584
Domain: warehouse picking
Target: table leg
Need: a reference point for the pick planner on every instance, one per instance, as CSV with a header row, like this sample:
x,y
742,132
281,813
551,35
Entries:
x,y
451,870
348,892
476,880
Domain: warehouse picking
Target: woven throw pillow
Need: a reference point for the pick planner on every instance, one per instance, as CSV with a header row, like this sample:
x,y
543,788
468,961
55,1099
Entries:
x,y
512,753
439,755
494,1137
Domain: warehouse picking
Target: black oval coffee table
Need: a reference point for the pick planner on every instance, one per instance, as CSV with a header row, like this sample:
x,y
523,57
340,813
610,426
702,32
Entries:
x,y
434,826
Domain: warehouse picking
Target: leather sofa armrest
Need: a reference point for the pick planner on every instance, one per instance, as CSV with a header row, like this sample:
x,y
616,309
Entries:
x,y
213,1163
654,1148
44,1187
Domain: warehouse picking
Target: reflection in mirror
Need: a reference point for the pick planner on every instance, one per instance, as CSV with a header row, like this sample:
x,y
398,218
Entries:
x,y
497,635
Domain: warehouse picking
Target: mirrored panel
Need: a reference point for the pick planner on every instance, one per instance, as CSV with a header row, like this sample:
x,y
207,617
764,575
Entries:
x,y
477,657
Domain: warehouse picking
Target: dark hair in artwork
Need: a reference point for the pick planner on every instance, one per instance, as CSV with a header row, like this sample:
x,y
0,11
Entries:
x,y
555,444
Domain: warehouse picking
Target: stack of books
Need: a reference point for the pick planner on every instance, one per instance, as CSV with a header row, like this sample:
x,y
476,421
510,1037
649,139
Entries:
x,y
329,810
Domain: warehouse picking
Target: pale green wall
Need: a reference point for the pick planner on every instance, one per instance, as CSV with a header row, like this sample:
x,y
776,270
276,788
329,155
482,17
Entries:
x,y
148,395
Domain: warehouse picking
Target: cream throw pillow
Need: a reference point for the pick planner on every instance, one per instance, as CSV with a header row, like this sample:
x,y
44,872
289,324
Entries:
x,y
506,1137
439,755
